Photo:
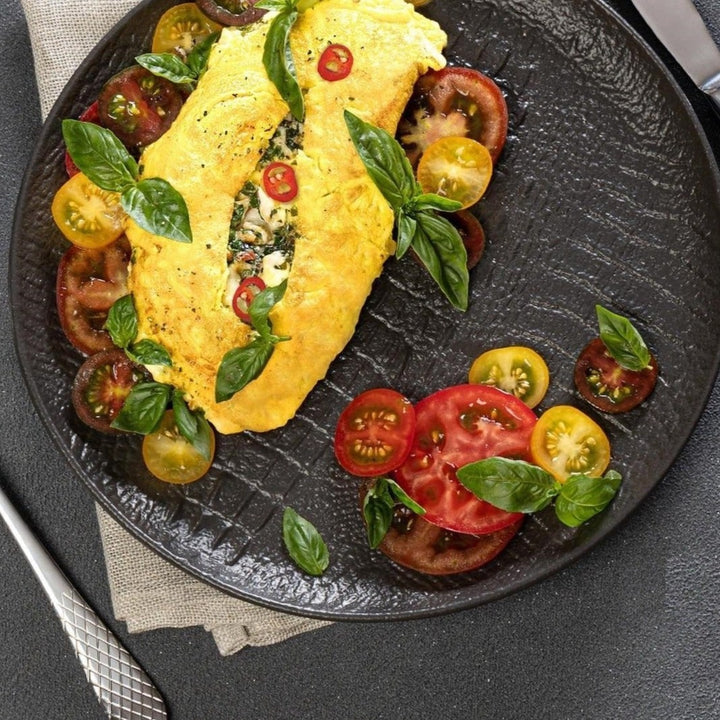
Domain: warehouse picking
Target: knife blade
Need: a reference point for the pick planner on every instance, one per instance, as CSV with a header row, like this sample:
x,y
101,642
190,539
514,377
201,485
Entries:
x,y
679,27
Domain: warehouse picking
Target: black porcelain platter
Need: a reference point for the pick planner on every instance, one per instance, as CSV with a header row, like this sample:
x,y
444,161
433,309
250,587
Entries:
x,y
606,193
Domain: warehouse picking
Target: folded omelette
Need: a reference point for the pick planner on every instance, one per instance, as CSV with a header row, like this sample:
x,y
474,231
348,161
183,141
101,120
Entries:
x,y
341,225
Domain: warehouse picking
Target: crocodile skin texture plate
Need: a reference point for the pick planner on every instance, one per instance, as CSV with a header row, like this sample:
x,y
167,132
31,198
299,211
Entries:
x,y
606,193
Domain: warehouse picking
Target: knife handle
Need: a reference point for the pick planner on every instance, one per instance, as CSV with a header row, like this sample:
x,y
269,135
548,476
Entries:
x,y
122,687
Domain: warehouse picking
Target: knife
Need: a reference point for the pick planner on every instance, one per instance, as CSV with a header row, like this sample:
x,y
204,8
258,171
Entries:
x,y
680,28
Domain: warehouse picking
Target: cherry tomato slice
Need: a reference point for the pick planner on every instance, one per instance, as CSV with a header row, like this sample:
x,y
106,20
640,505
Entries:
x,y
231,12
180,28
170,457
456,168
245,294
87,215
604,383
457,426
472,234
88,283
279,182
374,433
335,63
101,385
567,442
90,115
417,544
515,369
138,106
454,102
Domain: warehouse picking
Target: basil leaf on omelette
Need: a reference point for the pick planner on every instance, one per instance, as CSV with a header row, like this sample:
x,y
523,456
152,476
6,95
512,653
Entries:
x,y
158,208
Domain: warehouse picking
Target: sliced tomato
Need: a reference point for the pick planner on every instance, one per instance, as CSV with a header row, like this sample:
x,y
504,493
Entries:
x,y
181,28
604,383
516,369
279,182
458,102
87,215
335,63
457,426
472,234
88,283
231,12
90,115
567,442
138,106
170,457
456,168
101,385
245,294
374,433
419,545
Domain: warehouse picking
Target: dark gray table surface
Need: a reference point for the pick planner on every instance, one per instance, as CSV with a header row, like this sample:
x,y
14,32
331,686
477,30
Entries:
x,y
629,631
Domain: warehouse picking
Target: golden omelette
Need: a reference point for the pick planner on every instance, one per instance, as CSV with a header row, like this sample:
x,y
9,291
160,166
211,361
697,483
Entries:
x,y
343,224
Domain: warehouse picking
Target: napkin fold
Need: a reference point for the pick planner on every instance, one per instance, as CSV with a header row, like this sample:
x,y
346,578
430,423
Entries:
x,y
147,592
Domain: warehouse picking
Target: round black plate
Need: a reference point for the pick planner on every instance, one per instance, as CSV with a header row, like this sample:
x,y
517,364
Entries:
x,y
606,193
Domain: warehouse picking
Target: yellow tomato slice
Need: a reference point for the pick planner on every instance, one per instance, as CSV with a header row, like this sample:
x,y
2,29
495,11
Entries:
x,y
567,442
87,215
516,369
181,28
457,168
170,457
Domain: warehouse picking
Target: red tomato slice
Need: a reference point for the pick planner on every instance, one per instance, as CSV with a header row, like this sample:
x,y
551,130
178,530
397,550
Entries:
x,y
374,433
279,182
335,63
457,426
90,115
88,283
245,294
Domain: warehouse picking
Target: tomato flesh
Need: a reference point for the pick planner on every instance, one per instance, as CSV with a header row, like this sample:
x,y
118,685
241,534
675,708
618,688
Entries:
x,y
245,294
231,12
604,383
335,63
374,433
180,28
88,283
457,426
279,182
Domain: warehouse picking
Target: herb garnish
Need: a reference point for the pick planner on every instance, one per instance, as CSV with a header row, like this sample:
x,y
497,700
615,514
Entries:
x,y
378,507
304,543
518,486
192,425
433,238
143,408
153,203
622,340
242,365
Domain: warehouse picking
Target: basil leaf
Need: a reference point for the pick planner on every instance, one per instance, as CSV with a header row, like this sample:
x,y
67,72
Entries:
x,y
99,155
440,248
240,366
168,66
582,497
431,201
278,5
406,229
622,340
384,160
148,352
122,321
192,425
261,306
378,513
401,496
279,63
304,543
511,485
157,207
143,408
197,58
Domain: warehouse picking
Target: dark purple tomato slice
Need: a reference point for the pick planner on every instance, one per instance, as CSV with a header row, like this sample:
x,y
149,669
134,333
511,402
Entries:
x,y
231,12
101,385
138,106
454,102
604,383
472,234
88,283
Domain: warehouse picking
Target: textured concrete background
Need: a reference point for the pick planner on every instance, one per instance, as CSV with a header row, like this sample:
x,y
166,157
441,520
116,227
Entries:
x,y
629,631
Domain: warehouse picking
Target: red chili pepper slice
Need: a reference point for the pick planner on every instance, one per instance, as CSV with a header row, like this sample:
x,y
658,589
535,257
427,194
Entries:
x,y
279,182
245,294
335,63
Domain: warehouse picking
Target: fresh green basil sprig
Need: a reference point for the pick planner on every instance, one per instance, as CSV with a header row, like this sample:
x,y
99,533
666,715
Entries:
x,y
622,340
172,68
378,507
518,486
304,543
433,238
277,57
192,425
242,365
153,203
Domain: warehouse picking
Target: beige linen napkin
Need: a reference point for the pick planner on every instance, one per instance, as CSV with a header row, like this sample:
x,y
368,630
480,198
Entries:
x,y
147,592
